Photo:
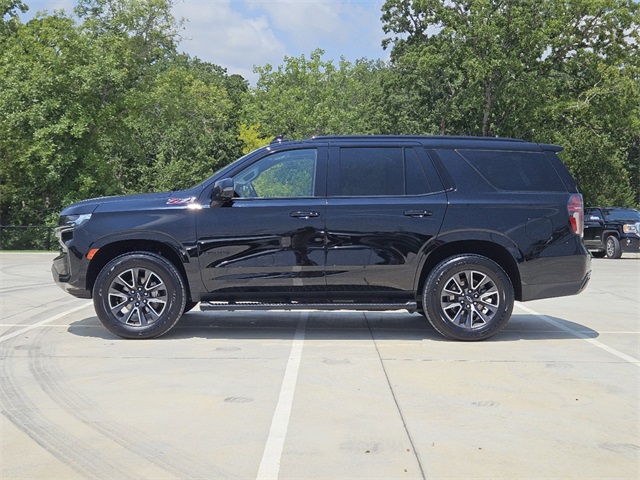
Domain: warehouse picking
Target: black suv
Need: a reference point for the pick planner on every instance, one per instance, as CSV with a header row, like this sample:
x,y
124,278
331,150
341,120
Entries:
x,y
611,231
455,228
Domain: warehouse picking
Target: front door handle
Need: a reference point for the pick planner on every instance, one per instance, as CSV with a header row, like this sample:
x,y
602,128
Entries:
x,y
304,214
418,213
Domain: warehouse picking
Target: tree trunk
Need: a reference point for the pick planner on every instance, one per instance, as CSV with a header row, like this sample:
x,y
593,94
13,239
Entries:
x,y
488,106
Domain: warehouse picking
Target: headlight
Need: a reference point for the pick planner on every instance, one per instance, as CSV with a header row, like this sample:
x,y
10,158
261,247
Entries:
x,y
633,228
67,225
72,221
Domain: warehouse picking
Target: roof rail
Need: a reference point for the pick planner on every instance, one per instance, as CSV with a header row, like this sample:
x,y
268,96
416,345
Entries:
x,y
417,137
278,139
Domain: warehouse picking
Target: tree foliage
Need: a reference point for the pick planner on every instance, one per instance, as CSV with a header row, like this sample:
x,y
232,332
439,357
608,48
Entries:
x,y
100,102
312,96
553,71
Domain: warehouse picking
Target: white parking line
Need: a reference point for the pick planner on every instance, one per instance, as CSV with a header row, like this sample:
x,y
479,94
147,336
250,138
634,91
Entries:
x,y
43,322
270,463
576,333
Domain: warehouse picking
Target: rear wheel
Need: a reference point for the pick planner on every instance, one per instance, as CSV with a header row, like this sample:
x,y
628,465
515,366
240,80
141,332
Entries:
x,y
139,295
613,247
598,254
468,297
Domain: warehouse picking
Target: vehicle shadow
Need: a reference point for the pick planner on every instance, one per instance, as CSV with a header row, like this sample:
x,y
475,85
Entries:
x,y
259,325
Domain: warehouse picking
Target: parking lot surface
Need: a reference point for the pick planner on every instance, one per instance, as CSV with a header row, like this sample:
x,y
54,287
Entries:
x,y
319,395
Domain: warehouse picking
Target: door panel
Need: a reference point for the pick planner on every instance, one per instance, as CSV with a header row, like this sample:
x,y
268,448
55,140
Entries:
x,y
258,244
375,245
268,242
384,205
593,228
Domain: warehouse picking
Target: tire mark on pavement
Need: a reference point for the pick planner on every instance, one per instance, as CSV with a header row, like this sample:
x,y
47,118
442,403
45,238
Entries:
x,y
45,369
28,417
8,272
44,309
8,336
26,287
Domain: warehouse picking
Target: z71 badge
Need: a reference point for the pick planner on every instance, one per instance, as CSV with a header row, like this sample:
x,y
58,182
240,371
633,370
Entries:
x,y
181,201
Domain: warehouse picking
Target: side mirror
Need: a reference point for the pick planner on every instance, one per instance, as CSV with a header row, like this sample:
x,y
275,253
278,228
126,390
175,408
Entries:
x,y
222,191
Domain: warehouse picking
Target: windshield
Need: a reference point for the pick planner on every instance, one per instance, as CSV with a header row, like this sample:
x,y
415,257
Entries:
x,y
622,214
221,171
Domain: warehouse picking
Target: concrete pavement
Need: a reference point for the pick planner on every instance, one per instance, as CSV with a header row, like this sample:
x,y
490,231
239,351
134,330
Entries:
x,y
319,395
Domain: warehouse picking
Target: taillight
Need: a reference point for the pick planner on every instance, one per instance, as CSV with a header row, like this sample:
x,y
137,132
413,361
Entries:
x,y
576,213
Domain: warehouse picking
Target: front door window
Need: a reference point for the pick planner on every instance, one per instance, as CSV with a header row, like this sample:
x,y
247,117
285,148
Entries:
x,y
282,175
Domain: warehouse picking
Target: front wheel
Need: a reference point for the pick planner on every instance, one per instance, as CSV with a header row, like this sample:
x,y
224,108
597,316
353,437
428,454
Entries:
x,y
613,247
139,295
468,297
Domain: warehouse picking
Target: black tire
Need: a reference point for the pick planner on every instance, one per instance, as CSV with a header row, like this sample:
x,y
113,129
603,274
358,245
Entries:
x,y
598,254
613,248
139,295
468,298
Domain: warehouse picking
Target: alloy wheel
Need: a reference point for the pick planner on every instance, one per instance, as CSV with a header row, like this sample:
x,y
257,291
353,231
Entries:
x,y
470,299
137,297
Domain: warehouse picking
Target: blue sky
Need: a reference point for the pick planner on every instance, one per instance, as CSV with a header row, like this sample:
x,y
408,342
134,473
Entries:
x,y
238,34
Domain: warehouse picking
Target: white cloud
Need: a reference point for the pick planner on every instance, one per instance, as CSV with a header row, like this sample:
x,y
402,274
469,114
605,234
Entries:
x,y
216,33
341,27
307,22
239,34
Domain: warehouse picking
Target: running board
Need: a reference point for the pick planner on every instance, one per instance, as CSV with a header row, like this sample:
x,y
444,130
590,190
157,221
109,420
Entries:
x,y
231,306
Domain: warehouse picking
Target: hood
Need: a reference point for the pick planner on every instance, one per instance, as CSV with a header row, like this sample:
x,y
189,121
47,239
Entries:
x,y
119,203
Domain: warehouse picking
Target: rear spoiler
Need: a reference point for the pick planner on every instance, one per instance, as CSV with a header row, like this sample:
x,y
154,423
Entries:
x,y
551,148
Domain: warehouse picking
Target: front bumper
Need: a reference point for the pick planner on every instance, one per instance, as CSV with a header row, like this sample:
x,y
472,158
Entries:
x,y
61,271
630,244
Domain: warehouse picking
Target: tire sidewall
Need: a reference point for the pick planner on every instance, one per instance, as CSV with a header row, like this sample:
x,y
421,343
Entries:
x,y
161,267
617,249
443,272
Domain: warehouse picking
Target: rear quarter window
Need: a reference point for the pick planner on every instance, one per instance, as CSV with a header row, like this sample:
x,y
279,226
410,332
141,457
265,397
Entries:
x,y
515,171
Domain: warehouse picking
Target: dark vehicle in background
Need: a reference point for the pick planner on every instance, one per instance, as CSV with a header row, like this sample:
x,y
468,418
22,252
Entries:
x,y
610,231
456,228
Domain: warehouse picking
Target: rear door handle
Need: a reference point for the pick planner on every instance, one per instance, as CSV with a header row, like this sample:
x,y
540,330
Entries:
x,y
304,214
418,213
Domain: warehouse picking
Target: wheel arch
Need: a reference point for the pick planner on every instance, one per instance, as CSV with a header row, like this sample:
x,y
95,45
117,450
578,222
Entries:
x,y
607,233
114,249
493,251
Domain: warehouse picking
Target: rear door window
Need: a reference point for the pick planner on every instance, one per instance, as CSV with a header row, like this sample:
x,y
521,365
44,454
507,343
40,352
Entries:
x,y
368,172
380,171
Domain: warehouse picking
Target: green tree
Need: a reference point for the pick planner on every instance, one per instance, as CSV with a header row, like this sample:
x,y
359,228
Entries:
x,y
549,71
311,96
46,119
105,105
177,128
170,120
9,16
250,137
